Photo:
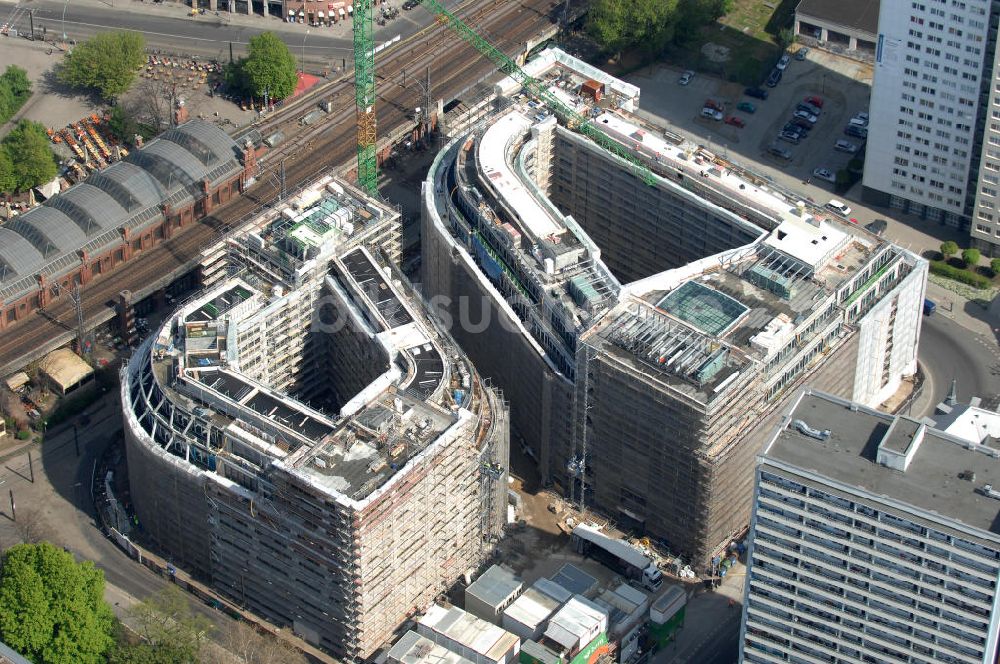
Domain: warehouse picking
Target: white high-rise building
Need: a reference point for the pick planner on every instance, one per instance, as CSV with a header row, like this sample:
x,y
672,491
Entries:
x,y
933,66
875,538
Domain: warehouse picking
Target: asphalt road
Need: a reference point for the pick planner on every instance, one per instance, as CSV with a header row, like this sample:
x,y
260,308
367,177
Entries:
x,y
59,502
206,35
947,351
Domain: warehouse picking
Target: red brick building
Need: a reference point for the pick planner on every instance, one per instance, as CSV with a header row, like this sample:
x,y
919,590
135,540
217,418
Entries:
x,y
94,227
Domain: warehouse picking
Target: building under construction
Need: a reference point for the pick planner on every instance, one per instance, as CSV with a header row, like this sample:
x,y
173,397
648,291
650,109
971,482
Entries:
x,y
304,437
648,335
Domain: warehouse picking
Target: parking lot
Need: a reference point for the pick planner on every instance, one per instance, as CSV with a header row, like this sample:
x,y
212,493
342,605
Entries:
x,y
843,86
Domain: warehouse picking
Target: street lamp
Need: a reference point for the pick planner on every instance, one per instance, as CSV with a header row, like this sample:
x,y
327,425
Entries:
x,y
303,59
65,5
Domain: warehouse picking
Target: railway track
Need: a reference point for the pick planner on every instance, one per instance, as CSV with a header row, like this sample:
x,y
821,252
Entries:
x,y
308,152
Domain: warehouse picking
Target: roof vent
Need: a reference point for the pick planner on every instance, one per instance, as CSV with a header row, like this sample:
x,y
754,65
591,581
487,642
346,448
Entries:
x,y
807,430
988,490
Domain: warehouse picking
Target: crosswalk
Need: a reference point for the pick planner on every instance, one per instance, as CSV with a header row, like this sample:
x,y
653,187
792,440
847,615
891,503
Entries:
x,y
12,19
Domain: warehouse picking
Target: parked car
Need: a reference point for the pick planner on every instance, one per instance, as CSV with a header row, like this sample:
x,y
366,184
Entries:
x,y
877,227
717,105
802,53
783,62
862,118
839,209
736,121
746,107
824,174
790,136
796,129
929,307
809,108
780,152
815,100
857,132
845,146
686,77
801,124
711,114
757,93
805,115
774,78
410,4
858,121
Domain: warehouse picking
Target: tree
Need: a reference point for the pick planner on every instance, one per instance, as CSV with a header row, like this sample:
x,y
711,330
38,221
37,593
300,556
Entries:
x,y
693,14
786,37
948,249
248,646
648,24
27,147
995,266
15,88
107,62
269,69
8,179
166,622
16,80
971,257
52,608
122,125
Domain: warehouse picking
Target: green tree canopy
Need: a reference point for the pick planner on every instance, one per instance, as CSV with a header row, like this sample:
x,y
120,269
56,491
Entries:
x,y
15,88
27,147
52,608
8,181
123,125
270,69
16,80
971,257
170,630
107,62
618,25
949,249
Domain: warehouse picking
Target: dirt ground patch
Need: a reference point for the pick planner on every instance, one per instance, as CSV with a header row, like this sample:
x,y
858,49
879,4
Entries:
x,y
56,106
50,103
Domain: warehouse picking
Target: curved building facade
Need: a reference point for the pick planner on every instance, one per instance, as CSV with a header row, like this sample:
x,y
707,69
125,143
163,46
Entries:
x,y
648,336
303,436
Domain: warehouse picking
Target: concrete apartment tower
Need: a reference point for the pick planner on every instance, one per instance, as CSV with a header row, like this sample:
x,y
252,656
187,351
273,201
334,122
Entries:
x,y
875,537
934,136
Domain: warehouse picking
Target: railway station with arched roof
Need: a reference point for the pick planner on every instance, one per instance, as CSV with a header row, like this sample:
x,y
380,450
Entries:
x,y
131,206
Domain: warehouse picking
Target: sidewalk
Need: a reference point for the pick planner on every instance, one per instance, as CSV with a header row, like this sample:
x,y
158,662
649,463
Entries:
x,y
969,314
710,616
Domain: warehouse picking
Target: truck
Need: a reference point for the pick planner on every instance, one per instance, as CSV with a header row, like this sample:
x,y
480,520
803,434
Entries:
x,y
619,555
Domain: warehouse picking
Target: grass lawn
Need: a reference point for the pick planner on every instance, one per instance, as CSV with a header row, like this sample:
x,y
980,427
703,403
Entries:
x,y
749,31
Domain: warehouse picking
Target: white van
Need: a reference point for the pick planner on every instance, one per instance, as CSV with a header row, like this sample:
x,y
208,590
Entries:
x,y
839,209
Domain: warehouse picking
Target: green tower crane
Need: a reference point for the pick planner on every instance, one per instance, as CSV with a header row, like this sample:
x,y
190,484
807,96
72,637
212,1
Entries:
x,y
364,95
570,117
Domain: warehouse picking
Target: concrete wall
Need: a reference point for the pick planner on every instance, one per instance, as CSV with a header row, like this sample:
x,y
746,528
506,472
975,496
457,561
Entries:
x,y
540,398
640,229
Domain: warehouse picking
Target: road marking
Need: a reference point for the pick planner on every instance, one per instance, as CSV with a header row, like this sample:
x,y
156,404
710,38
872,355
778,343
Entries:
x,y
172,36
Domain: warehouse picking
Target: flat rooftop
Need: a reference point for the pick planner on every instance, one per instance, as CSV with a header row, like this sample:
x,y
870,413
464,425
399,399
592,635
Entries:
x,y
534,217
220,305
933,481
356,459
369,278
389,422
